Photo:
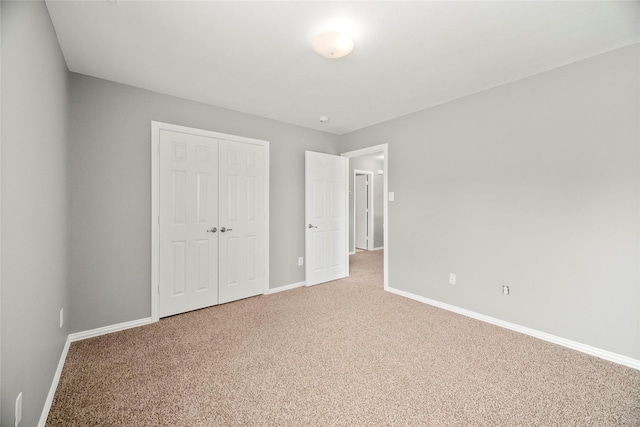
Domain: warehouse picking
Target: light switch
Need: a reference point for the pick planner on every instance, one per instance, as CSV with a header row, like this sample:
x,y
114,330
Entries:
x,y
392,196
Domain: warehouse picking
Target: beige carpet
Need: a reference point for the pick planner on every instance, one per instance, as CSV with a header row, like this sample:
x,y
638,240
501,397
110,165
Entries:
x,y
342,353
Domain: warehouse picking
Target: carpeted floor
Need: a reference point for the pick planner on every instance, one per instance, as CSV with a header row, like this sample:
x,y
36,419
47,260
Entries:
x,y
344,353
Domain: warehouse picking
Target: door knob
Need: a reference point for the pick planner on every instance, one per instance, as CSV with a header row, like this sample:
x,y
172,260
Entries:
x,y
223,229
212,230
312,226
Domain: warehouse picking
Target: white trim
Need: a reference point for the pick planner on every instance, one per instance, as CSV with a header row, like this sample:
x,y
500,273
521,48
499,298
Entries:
x,y
352,253
79,336
267,196
286,287
321,283
346,219
379,248
574,345
54,385
370,203
155,219
1,210
384,149
156,127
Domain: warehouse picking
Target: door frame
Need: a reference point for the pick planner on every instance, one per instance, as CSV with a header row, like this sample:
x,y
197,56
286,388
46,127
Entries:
x,y
156,127
384,149
370,205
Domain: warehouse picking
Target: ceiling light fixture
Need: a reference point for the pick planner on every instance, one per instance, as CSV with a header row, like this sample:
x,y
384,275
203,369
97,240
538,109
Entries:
x,y
333,44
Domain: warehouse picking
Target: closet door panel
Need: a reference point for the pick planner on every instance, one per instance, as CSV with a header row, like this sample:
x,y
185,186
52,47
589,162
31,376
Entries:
x,y
242,220
188,197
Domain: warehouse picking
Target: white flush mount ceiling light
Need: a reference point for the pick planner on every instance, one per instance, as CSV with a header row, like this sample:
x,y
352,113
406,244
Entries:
x,y
333,44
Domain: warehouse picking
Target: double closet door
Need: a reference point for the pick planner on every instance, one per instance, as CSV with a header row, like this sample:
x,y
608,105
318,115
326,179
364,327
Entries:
x,y
212,223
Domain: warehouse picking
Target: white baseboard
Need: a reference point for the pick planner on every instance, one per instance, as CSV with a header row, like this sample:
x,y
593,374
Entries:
x,y
77,337
285,287
374,249
574,345
54,385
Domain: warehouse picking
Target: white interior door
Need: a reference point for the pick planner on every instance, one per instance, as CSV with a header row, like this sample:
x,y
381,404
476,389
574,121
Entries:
x,y
362,209
242,220
326,213
188,245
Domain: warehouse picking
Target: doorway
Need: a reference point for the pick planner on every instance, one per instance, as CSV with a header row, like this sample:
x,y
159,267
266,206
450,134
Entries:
x,y
363,209
373,160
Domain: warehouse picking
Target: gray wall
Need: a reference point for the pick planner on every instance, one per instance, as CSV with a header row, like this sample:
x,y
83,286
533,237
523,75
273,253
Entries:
x,y
111,193
534,184
372,164
34,207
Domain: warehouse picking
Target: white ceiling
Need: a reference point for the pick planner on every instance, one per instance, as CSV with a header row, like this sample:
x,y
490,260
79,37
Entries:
x,y
256,57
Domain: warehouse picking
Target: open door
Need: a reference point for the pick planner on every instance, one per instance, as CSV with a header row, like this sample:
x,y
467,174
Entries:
x,y
326,211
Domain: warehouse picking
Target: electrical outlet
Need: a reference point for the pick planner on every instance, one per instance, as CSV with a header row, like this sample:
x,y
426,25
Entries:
x,y
452,279
61,317
300,261
18,413
505,289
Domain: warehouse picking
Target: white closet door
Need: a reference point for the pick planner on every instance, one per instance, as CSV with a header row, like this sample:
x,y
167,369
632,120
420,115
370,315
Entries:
x,y
188,197
242,220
